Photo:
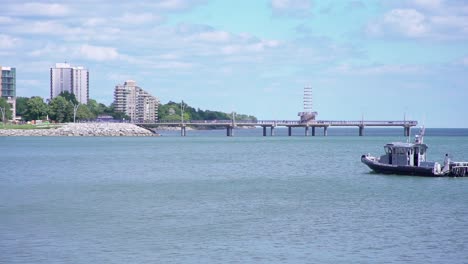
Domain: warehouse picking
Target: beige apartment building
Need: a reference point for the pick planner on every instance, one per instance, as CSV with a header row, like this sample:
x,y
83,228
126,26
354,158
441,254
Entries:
x,y
135,102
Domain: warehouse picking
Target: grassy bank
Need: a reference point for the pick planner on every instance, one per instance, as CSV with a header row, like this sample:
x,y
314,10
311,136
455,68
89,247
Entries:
x,y
28,126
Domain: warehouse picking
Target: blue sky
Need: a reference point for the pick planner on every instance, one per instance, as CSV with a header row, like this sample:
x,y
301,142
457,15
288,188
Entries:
x,y
380,60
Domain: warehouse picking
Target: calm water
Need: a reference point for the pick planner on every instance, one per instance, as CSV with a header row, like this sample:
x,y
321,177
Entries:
x,y
213,199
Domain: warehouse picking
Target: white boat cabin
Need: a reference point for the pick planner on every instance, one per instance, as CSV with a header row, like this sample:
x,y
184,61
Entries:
x,y
404,154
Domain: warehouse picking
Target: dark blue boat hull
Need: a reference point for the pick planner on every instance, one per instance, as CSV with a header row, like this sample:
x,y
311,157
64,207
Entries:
x,y
400,170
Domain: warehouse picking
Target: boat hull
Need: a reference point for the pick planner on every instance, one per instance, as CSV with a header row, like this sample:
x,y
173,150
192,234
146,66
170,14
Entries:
x,y
399,170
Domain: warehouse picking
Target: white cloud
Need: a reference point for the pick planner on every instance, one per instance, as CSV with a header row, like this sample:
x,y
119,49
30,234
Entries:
x,y
98,53
46,27
408,22
50,50
423,19
174,4
449,26
378,69
119,78
290,4
168,56
6,20
139,18
214,36
94,21
173,65
298,8
428,4
39,9
464,61
8,42
257,47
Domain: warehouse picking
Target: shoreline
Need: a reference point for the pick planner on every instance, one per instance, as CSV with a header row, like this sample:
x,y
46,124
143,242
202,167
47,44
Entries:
x,y
83,130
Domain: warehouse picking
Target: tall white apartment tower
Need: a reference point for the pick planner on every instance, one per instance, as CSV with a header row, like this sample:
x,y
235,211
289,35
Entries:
x,y
75,80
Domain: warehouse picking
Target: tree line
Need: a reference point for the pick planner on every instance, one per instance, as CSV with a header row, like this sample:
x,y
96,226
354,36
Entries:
x,y
61,109
172,112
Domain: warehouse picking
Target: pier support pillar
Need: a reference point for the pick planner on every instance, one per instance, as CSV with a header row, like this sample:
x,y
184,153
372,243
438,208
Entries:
x,y
313,131
289,131
229,131
183,132
325,132
361,131
407,131
264,131
306,131
272,131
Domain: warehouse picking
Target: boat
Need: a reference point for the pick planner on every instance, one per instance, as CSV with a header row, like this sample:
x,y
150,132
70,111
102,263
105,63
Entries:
x,y
405,158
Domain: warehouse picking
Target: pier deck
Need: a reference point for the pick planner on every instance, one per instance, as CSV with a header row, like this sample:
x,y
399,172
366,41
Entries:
x,y
272,124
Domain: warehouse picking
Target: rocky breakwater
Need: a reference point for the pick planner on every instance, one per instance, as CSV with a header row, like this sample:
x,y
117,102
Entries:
x,y
84,129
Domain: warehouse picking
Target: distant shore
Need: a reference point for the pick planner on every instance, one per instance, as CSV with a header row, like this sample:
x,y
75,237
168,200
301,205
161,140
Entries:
x,y
84,129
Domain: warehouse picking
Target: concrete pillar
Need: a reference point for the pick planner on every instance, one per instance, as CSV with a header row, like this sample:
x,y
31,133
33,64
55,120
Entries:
x,y
182,131
264,131
306,131
229,131
272,131
361,131
313,131
325,133
407,131
289,131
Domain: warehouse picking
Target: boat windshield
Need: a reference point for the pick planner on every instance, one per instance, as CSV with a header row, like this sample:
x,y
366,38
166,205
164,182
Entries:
x,y
388,150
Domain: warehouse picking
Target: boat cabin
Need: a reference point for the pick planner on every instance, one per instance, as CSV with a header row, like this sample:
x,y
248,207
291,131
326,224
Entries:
x,y
404,154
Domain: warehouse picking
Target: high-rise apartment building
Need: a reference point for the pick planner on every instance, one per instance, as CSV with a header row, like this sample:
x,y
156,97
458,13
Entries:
x,y
75,80
8,86
138,104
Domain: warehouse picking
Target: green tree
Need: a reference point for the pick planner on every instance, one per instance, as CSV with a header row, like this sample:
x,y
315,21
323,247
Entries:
x,y
36,109
94,107
61,110
69,97
115,114
171,112
6,108
21,106
84,113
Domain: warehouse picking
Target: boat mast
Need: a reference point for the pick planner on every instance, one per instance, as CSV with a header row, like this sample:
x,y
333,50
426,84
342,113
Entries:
x,y
419,139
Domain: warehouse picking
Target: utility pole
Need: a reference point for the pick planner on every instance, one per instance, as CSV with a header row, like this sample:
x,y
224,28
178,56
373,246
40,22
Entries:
x,y
233,119
182,106
3,115
75,108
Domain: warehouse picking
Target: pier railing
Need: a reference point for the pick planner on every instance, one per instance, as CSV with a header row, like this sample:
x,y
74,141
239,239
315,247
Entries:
x,y
313,124
404,123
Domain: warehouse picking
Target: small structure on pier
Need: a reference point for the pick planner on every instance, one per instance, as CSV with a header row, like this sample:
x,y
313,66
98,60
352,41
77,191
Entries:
x,y
308,115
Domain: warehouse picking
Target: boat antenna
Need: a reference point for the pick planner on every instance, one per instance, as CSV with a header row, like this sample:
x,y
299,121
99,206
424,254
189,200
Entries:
x,y
419,138
421,134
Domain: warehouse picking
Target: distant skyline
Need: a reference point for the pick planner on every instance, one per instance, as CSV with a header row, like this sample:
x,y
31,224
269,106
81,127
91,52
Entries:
x,y
377,60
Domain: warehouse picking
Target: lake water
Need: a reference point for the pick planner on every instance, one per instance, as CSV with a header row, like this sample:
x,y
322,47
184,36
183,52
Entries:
x,y
207,198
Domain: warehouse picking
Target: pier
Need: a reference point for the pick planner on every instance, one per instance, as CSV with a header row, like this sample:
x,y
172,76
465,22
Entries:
x,y
310,127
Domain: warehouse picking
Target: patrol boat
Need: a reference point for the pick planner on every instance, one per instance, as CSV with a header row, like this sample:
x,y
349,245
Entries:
x,y
406,158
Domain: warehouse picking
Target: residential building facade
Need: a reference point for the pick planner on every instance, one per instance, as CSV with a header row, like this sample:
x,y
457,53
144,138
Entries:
x,y
8,87
75,80
135,102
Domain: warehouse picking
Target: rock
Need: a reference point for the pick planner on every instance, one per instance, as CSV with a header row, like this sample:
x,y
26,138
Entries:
x,y
83,129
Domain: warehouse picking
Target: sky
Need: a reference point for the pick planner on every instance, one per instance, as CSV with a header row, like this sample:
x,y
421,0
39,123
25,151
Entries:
x,y
372,60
